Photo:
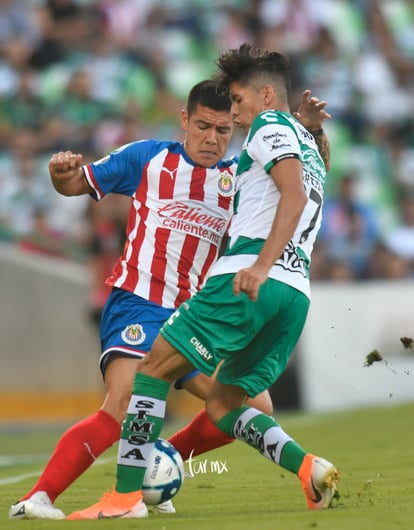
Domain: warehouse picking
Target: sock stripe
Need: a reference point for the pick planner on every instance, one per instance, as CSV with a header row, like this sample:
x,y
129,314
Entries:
x,y
134,455
244,418
272,449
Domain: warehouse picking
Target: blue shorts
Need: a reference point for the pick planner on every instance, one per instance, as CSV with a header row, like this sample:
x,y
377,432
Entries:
x,y
129,326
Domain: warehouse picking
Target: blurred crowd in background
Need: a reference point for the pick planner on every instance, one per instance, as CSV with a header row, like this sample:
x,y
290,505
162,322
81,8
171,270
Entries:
x,y
90,75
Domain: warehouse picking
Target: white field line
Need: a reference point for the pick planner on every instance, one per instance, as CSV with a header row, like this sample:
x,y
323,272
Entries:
x,y
26,459
19,478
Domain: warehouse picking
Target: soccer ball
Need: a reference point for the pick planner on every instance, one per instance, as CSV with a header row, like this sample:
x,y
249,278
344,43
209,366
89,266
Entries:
x,y
164,475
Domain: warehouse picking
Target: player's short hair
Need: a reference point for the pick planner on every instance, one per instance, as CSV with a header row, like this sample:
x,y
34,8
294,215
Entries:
x,y
247,66
209,93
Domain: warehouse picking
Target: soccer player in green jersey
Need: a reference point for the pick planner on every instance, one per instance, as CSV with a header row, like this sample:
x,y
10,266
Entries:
x,y
249,316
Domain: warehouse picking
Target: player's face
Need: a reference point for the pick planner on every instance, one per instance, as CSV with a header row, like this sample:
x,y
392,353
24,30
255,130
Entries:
x,y
208,134
247,103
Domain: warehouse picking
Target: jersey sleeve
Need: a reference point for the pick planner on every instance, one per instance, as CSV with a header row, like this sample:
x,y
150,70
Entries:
x,y
273,139
121,170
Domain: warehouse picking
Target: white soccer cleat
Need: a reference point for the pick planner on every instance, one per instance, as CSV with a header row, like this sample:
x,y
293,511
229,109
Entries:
x,y
319,480
38,506
163,507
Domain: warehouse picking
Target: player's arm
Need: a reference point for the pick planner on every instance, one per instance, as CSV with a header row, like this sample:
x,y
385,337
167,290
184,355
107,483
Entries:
x,y
68,178
287,175
312,114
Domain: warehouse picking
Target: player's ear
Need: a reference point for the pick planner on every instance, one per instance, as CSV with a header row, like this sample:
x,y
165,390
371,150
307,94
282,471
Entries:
x,y
267,93
184,119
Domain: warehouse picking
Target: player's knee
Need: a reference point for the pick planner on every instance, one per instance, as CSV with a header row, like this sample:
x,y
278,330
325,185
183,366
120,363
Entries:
x,y
262,402
215,412
116,404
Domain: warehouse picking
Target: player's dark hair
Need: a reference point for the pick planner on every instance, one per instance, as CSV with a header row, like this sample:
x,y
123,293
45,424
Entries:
x,y
247,66
209,93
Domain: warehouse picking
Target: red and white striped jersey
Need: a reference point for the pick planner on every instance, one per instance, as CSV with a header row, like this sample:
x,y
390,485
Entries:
x,y
178,217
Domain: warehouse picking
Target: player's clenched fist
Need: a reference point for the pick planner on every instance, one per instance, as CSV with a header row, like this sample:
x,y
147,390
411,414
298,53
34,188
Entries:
x,y
64,161
65,169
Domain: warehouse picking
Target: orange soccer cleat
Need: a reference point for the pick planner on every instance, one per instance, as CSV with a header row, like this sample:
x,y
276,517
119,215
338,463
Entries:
x,y
114,505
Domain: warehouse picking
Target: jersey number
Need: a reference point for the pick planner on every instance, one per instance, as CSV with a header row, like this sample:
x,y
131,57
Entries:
x,y
317,199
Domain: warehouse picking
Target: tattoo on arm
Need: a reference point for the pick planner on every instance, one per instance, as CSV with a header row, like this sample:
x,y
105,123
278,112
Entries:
x,y
323,145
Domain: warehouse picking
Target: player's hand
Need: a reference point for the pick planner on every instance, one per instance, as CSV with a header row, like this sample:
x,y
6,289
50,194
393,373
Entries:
x,y
67,175
64,165
311,112
249,280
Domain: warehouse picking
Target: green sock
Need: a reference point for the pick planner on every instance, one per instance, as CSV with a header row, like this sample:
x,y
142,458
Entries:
x,y
292,456
141,428
265,434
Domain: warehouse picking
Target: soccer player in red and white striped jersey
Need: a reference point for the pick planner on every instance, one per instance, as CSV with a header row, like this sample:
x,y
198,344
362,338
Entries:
x,y
179,215
181,206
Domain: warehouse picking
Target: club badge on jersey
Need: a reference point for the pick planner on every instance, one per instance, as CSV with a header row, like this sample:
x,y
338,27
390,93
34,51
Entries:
x,y
225,184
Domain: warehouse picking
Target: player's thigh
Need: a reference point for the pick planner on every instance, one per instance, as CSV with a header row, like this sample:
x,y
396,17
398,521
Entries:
x,y
222,399
199,385
165,362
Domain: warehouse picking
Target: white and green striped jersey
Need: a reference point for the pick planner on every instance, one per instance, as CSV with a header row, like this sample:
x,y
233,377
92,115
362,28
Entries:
x,y
274,136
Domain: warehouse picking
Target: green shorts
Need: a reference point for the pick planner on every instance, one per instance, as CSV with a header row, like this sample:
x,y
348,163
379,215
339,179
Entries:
x,y
254,339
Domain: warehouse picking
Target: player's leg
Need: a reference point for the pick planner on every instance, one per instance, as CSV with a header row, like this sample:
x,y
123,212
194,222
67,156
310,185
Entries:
x,y
80,445
227,408
146,411
123,344
280,326
189,438
318,476
200,434
140,430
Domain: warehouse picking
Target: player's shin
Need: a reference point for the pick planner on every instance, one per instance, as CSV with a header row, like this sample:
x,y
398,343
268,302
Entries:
x,y
140,430
265,434
318,477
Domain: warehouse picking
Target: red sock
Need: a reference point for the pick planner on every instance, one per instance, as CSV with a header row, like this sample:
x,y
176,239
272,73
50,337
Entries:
x,y
199,436
76,450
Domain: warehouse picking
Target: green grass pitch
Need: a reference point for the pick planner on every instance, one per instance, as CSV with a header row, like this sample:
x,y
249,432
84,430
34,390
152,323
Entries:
x,y
234,488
